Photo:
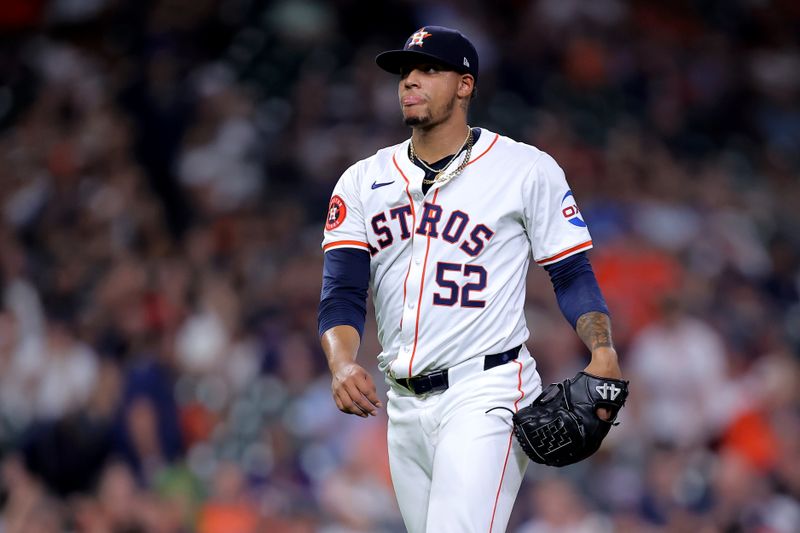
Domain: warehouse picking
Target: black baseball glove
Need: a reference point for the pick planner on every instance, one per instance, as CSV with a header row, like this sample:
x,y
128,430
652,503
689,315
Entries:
x,y
561,426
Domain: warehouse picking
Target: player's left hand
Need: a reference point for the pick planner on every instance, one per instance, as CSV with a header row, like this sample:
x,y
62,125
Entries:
x,y
604,364
560,427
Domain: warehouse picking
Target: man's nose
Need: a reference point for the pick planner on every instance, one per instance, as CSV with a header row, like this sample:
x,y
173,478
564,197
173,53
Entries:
x,y
412,79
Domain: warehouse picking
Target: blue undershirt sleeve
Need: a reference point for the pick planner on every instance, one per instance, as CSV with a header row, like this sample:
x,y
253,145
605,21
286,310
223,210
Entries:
x,y
576,287
345,280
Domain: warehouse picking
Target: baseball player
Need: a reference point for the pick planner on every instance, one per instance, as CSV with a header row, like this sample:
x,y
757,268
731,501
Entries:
x,y
441,228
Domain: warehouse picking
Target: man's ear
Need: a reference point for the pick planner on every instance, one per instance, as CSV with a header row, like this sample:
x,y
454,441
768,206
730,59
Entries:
x,y
465,85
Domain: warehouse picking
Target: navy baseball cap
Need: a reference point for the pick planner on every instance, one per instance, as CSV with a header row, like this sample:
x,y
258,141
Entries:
x,y
434,44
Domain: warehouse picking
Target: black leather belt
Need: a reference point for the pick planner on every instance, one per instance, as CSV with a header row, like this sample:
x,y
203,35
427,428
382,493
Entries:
x,y
438,381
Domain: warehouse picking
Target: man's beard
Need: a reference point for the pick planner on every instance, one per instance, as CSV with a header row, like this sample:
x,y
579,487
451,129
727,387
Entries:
x,y
426,120
417,121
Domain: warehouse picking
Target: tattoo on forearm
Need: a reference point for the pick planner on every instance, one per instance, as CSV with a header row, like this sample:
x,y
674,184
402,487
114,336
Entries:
x,y
594,329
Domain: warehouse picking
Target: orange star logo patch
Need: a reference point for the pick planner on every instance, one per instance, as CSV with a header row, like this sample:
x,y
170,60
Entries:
x,y
337,211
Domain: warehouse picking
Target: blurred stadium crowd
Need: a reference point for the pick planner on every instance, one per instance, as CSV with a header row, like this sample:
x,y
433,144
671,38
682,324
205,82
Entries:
x,y
165,167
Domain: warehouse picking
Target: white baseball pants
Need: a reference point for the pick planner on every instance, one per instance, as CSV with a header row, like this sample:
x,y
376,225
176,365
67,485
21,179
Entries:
x,y
456,468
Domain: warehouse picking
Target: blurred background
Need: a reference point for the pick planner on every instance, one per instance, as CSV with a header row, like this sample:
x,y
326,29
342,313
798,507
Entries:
x,y
165,168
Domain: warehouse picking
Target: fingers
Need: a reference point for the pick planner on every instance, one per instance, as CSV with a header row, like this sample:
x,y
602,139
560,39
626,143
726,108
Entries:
x,y
604,414
351,406
372,396
356,395
355,390
339,403
346,404
353,401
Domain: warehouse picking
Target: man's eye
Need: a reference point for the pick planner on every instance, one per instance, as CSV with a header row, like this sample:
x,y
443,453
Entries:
x,y
427,69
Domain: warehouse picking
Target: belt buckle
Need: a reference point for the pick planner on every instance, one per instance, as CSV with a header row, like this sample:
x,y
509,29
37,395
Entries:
x,y
435,381
406,384
423,384
426,383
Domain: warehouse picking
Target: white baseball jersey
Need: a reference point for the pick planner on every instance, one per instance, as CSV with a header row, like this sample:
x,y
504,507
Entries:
x,y
448,268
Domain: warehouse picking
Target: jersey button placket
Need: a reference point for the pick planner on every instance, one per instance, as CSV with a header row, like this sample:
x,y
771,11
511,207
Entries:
x,y
412,295
412,288
417,250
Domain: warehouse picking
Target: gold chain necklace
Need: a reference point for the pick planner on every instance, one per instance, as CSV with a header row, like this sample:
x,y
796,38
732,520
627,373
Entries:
x,y
440,176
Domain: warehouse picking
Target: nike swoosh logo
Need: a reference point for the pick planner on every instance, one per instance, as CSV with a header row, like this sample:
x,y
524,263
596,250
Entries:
x,y
375,184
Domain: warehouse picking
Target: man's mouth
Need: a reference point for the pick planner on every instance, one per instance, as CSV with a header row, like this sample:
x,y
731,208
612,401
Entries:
x,y
410,100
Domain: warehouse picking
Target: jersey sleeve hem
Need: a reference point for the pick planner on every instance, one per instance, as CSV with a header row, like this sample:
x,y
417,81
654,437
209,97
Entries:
x,y
566,253
345,244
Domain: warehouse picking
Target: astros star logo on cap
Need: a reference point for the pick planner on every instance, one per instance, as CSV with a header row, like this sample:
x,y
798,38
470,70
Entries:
x,y
416,39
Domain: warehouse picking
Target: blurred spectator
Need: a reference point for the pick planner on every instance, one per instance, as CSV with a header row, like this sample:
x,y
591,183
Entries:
x,y
28,508
228,510
363,477
147,427
559,508
118,497
62,375
745,501
680,366
675,492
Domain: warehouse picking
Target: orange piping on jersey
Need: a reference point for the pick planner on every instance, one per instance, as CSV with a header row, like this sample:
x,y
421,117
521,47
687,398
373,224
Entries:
x,y
346,243
508,450
586,244
421,288
413,225
496,136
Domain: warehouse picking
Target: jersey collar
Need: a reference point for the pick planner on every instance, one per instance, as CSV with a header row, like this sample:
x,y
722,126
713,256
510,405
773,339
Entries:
x,y
414,174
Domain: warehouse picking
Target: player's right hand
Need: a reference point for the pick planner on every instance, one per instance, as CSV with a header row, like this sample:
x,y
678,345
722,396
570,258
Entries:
x,y
354,391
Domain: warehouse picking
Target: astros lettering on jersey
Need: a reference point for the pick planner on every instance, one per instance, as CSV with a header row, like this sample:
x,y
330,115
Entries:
x,y
439,298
